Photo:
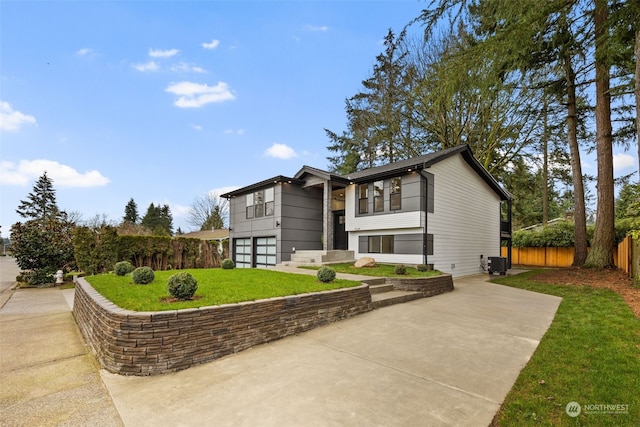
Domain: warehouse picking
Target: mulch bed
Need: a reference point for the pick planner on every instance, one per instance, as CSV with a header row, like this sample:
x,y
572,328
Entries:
x,y
609,278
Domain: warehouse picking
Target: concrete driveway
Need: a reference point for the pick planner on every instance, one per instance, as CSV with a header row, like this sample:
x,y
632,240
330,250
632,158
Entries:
x,y
449,360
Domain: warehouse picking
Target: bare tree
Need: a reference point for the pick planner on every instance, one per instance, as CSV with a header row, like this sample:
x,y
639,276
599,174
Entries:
x,y
209,212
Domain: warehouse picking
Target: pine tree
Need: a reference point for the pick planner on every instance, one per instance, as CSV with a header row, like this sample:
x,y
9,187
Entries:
x,y
131,212
41,202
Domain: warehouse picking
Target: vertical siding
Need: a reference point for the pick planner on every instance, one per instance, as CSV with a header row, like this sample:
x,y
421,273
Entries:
x,y
301,219
466,218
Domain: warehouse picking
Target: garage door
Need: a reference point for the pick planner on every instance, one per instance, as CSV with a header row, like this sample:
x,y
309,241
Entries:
x,y
243,253
265,251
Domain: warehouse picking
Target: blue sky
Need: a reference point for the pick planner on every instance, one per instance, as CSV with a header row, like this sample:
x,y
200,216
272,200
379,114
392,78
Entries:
x,y
164,101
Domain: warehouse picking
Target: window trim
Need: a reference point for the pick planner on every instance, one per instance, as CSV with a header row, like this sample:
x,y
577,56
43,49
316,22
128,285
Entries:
x,y
376,244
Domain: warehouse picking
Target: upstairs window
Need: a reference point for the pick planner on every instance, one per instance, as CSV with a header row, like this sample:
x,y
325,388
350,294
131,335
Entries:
x,y
363,198
378,196
395,197
260,203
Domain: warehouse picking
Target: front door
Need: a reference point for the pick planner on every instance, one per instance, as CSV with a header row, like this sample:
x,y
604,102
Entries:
x,y
339,231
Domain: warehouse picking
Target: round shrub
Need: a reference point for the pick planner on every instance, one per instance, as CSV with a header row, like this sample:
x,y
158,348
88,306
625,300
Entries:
x,y
326,274
422,267
182,285
228,264
123,268
400,269
143,275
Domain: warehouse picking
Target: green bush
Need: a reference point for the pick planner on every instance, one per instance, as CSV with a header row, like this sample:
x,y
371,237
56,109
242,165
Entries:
x,y
228,264
182,285
400,269
143,275
422,267
123,268
326,274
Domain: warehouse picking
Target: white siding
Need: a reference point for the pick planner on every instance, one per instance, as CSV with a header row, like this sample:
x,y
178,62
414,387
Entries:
x,y
387,221
466,219
385,258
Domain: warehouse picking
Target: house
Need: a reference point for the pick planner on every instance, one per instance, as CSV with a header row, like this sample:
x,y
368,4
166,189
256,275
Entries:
x,y
219,236
441,209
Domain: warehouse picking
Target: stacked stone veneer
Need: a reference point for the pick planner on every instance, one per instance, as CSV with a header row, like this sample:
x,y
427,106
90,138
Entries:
x,y
149,343
428,286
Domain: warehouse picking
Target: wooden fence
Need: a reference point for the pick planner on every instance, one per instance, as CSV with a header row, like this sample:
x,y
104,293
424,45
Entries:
x,y
625,256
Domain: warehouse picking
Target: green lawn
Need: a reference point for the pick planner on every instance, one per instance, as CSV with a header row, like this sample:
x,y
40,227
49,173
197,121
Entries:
x,y
215,286
589,355
380,270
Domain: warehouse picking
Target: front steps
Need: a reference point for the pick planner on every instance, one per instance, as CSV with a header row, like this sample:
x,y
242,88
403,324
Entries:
x,y
321,257
384,295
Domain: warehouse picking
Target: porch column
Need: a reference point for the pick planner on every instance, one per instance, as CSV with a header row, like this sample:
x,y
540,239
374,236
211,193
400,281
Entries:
x,y
327,218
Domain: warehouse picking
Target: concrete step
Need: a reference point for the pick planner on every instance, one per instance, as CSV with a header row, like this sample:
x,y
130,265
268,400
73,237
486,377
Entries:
x,y
377,289
385,299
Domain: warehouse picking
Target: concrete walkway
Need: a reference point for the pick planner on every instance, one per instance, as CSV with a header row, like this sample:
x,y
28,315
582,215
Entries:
x,y
447,360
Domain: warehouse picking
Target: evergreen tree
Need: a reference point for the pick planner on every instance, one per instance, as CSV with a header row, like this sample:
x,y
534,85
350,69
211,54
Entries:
x,y
131,212
158,219
41,202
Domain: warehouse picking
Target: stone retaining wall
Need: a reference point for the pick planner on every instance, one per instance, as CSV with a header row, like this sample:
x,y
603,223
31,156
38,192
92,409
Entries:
x,y
428,286
150,343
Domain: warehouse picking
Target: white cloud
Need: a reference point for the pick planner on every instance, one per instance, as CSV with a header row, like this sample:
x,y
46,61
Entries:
x,y
623,161
196,95
222,190
184,67
27,171
84,52
12,120
280,151
234,131
147,66
316,28
159,53
196,127
214,44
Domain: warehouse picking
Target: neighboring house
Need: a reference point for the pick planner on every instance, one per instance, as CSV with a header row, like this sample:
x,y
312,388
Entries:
x,y
217,235
442,209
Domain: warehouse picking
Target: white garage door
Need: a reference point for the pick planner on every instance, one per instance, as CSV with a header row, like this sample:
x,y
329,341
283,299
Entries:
x,y
265,251
243,253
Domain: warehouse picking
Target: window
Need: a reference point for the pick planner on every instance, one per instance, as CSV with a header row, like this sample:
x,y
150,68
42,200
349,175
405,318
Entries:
x,y
258,199
395,189
249,206
380,245
260,203
268,201
363,190
378,196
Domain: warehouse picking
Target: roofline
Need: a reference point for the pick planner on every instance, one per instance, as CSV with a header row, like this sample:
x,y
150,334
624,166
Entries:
x,y
261,184
321,173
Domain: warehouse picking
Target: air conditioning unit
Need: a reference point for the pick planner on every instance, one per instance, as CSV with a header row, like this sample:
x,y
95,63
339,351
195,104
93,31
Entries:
x,y
497,264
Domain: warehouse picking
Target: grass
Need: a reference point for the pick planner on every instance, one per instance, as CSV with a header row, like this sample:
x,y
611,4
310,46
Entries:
x,y
215,287
589,355
380,270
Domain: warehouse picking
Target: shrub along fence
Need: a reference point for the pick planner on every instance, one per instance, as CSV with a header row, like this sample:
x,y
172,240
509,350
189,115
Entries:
x,y
625,256
97,250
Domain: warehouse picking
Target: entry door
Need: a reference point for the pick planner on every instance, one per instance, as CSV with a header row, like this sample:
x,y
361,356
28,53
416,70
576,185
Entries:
x,y
265,252
339,231
242,249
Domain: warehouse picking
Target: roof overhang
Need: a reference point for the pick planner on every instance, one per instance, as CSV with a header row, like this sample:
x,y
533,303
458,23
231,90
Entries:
x,y
280,179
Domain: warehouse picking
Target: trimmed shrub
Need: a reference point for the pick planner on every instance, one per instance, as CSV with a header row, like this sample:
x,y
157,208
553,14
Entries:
x,y
400,269
422,267
228,264
123,268
143,275
182,285
326,274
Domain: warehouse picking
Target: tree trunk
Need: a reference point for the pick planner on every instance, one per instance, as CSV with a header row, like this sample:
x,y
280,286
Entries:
x,y
637,54
545,164
601,255
579,213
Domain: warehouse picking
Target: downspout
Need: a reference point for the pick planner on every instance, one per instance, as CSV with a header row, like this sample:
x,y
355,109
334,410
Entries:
x,y
425,181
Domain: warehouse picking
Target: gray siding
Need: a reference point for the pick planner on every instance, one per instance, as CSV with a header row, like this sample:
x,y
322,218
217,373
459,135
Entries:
x,y
301,219
412,196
